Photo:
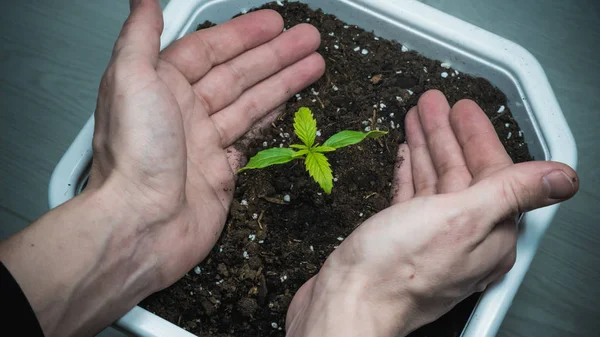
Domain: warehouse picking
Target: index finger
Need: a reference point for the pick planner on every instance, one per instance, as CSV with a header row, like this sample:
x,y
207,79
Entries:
x,y
196,53
483,151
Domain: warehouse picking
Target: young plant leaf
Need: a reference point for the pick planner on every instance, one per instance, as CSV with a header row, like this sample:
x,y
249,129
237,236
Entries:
x,y
323,149
305,126
318,167
300,153
269,157
299,146
348,137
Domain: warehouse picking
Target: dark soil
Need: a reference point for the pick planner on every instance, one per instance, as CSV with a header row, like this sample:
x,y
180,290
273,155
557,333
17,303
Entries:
x,y
270,247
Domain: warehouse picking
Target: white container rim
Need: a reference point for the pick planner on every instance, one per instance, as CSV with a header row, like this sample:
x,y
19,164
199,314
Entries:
x,y
551,127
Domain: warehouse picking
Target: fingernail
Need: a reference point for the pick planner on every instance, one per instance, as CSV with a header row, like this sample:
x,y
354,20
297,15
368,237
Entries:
x,y
558,185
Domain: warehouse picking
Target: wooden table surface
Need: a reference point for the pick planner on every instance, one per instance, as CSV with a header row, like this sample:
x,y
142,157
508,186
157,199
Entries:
x,y
53,53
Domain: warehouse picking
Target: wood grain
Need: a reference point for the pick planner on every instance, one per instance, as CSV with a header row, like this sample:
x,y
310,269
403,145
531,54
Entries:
x,y
53,53
10,223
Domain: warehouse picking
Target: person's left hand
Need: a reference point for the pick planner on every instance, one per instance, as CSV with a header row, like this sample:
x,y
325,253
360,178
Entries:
x,y
166,122
162,177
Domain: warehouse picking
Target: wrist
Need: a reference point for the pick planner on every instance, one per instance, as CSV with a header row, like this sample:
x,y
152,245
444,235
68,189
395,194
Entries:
x,y
344,303
91,262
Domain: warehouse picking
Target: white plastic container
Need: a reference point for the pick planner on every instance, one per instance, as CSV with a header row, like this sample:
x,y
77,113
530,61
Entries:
x,y
433,34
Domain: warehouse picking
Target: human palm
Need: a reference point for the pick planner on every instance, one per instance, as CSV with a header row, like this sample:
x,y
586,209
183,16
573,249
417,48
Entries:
x,y
450,231
166,122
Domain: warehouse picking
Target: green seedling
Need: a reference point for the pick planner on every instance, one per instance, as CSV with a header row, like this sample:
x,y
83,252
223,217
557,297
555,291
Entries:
x,y
317,165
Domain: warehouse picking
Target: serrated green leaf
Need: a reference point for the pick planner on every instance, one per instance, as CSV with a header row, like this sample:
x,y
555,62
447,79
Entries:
x,y
348,137
301,153
318,167
323,149
305,126
269,157
299,146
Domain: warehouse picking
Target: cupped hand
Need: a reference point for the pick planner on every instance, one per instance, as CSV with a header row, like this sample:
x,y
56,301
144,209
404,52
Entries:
x,y
166,122
450,232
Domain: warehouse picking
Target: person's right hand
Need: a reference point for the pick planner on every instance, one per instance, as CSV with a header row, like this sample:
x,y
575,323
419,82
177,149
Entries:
x,y
450,233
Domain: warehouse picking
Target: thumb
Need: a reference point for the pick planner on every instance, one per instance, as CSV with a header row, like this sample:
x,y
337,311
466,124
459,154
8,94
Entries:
x,y
235,152
139,39
521,188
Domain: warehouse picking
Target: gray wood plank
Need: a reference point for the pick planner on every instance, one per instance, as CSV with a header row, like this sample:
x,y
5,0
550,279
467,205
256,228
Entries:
x,y
53,54
10,223
111,332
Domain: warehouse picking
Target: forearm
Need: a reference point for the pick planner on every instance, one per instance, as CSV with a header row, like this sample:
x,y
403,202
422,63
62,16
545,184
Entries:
x,y
77,274
341,304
